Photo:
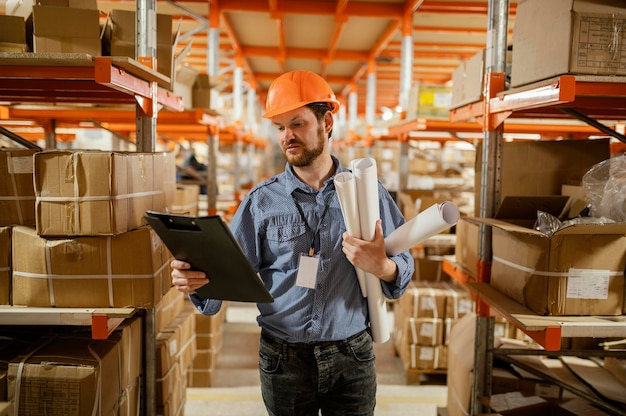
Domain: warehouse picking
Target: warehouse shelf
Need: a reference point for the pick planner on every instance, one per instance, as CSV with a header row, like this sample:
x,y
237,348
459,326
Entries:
x,y
103,321
81,78
453,126
595,97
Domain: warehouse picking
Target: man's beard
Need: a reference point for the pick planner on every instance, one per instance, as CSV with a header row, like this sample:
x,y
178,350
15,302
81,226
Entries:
x,y
308,156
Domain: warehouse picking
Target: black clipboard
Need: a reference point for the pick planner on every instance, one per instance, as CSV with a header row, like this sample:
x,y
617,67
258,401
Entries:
x,y
208,245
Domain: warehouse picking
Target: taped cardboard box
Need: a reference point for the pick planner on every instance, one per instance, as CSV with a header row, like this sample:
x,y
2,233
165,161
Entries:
x,y
582,37
579,270
5,266
74,375
12,34
120,38
17,194
94,193
81,272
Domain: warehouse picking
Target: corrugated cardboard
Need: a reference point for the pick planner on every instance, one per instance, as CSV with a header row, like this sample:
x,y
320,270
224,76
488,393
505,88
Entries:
x,y
24,8
65,30
71,374
5,266
541,168
122,271
577,271
12,34
467,80
121,37
17,194
202,92
581,37
91,193
183,85
460,366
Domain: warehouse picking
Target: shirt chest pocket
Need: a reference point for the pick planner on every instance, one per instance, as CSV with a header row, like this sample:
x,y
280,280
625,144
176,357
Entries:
x,y
285,240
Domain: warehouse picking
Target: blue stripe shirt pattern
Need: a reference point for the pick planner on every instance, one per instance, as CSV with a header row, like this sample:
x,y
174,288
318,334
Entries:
x,y
273,236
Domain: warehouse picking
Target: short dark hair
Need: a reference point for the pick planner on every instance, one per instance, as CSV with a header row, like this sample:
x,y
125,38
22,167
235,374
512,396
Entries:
x,y
320,109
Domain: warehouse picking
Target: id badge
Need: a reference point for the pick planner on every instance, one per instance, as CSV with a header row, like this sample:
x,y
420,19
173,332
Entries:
x,y
307,271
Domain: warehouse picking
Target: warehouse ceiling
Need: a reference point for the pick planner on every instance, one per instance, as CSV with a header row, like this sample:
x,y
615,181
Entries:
x,y
342,40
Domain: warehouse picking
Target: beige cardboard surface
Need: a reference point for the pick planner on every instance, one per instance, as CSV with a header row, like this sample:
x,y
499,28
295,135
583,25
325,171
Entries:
x,y
460,366
122,271
92,193
581,34
542,168
5,266
17,194
577,271
74,370
64,29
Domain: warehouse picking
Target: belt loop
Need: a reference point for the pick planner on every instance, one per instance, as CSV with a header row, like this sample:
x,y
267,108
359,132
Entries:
x,y
285,349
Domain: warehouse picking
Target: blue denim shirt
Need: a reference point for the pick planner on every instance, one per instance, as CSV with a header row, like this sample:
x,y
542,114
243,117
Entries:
x,y
273,235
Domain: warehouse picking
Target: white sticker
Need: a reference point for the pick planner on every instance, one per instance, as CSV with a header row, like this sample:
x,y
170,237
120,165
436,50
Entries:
x,y
20,164
588,284
307,271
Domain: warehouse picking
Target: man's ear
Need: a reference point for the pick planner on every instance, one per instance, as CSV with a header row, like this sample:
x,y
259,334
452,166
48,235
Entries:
x,y
329,121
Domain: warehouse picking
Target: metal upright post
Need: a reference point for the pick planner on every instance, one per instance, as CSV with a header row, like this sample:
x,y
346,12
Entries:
x,y
145,52
495,61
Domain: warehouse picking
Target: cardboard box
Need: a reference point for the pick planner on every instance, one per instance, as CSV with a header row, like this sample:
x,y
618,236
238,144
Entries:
x,y
468,80
5,266
183,85
187,200
71,374
466,249
542,168
99,272
579,270
461,365
582,37
24,8
64,30
121,37
17,194
202,92
516,404
12,34
94,193
432,101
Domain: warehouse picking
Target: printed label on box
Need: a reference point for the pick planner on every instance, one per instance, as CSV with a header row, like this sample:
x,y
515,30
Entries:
x,y
588,284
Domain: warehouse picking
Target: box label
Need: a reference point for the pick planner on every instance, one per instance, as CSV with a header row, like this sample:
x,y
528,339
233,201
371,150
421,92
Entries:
x,y
588,284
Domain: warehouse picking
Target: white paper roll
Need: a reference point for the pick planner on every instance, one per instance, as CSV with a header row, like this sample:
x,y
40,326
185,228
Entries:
x,y
366,178
431,221
345,185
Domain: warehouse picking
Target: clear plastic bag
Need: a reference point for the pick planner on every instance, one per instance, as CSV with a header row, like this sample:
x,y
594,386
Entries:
x,y
605,189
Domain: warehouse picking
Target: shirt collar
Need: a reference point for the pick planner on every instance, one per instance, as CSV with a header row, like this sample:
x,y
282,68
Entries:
x,y
292,182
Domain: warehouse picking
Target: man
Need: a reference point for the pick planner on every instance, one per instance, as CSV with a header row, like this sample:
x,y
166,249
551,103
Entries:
x,y
315,348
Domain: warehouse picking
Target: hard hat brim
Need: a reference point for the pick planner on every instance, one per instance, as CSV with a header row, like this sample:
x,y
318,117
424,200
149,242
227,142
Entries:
x,y
287,108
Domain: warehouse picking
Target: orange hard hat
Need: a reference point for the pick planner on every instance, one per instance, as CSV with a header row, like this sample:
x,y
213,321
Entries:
x,y
295,89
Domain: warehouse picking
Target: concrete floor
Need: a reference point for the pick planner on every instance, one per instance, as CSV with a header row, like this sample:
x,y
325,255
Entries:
x,y
236,389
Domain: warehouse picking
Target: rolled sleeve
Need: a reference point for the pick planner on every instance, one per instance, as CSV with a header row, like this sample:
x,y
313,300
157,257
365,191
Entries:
x,y
205,306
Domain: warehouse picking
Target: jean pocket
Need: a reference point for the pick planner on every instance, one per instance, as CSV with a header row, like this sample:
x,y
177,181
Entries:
x,y
269,363
363,351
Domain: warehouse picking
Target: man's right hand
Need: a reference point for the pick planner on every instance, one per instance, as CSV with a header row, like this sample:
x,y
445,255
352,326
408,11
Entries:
x,y
185,280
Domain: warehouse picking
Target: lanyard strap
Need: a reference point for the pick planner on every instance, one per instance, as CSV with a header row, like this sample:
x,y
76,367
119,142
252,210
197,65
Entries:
x,y
306,224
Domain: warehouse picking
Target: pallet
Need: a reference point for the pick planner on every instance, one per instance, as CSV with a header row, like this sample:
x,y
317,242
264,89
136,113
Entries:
x,y
414,375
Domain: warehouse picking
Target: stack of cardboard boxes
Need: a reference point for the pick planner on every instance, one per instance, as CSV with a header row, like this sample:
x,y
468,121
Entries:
x,y
73,235
423,317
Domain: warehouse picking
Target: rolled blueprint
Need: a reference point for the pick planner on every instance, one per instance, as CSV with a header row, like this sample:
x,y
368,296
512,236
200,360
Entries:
x,y
366,178
431,221
345,185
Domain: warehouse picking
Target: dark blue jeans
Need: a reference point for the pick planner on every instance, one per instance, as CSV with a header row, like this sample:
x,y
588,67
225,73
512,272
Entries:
x,y
338,378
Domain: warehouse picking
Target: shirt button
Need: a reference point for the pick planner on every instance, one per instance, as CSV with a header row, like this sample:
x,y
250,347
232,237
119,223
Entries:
x,y
316,316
